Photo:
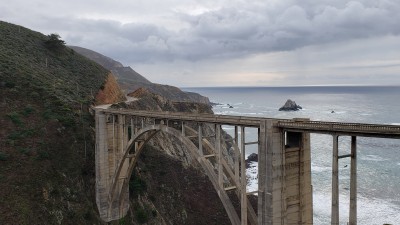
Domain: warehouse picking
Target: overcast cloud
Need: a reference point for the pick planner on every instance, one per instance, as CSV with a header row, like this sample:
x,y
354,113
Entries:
x,y
231,42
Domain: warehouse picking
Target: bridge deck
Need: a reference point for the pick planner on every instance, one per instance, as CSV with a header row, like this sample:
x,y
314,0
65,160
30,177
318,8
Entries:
x,y
339,128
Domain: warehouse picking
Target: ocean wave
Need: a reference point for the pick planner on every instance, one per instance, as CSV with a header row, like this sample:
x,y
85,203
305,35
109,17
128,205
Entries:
x,y
315,168
229,112
375,158
373,210
238,103
252,177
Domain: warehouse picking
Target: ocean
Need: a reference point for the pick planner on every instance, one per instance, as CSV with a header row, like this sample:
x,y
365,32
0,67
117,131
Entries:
x,y
378,163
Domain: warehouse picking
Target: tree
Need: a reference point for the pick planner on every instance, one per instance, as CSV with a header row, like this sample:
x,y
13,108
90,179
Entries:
x,y
54,42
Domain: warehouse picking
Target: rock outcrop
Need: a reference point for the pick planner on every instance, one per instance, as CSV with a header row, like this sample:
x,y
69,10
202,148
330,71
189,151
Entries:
x,y
109,92
290,106
253,157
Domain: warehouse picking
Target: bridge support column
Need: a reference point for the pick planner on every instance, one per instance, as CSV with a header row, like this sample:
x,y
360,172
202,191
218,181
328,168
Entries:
x,y
297,197
111,138
335,182
288,189
243,181
353,182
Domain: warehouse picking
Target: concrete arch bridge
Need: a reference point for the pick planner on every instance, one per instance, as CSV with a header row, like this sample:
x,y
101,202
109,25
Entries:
x,y
284,194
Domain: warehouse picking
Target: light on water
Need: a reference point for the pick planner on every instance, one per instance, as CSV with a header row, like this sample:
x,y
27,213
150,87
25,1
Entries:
x,y
378,163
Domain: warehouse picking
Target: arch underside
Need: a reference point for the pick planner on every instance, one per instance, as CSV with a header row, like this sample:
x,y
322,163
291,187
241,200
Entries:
x,y
210,162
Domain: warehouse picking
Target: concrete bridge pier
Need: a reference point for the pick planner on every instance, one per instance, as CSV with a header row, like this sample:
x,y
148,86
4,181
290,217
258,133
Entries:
x,y
285,177
335,217
111,139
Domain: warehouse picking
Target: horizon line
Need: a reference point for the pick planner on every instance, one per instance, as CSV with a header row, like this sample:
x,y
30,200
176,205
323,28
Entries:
x,y
287,86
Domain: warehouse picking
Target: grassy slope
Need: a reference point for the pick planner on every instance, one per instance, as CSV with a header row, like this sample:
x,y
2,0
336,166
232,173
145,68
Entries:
x,y
46,141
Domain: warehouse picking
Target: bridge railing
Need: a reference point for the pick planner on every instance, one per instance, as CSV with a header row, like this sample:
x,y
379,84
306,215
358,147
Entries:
x,y
381,129
192,117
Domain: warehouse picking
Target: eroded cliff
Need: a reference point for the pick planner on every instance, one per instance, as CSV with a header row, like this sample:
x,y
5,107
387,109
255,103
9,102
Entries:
x,y
109,92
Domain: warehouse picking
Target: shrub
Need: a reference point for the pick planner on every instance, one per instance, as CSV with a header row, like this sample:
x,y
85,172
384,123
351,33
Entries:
x,y
136,185
54,42
10,84
25,151
154,213
21,134
122,221
3,156
15,118
28,110
15,135
141,215
42,155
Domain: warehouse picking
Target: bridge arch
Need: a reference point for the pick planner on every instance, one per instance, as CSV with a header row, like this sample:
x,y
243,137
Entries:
x,y
136,144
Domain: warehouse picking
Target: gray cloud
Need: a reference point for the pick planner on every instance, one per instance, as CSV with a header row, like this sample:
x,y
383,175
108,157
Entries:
x,y
233,30
289,27
215,33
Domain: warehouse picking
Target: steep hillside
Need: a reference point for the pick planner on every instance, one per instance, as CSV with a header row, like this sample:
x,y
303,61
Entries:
x,y
46,136
47,142
130,80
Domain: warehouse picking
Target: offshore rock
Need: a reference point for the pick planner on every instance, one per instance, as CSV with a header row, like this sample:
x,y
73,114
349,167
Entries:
x,y
290,106
253,157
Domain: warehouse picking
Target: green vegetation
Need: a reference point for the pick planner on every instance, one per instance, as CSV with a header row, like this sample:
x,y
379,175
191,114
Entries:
x,y
46,138
3,156
25,151
28,110
15,118
29,64
141,215
54,42
42,155
136,185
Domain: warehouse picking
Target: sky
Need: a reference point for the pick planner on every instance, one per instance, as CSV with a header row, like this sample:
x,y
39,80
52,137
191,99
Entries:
x,y
198,43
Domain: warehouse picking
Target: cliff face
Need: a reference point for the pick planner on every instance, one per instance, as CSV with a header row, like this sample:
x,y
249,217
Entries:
x,y
109,92
129,80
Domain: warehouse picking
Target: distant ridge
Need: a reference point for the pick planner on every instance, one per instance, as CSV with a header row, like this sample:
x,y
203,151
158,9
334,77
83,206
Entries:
x,y
120,71
129,80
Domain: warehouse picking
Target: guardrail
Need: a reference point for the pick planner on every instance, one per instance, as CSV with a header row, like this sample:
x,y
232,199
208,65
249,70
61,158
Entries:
x,y
191,117
379,130
358,129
